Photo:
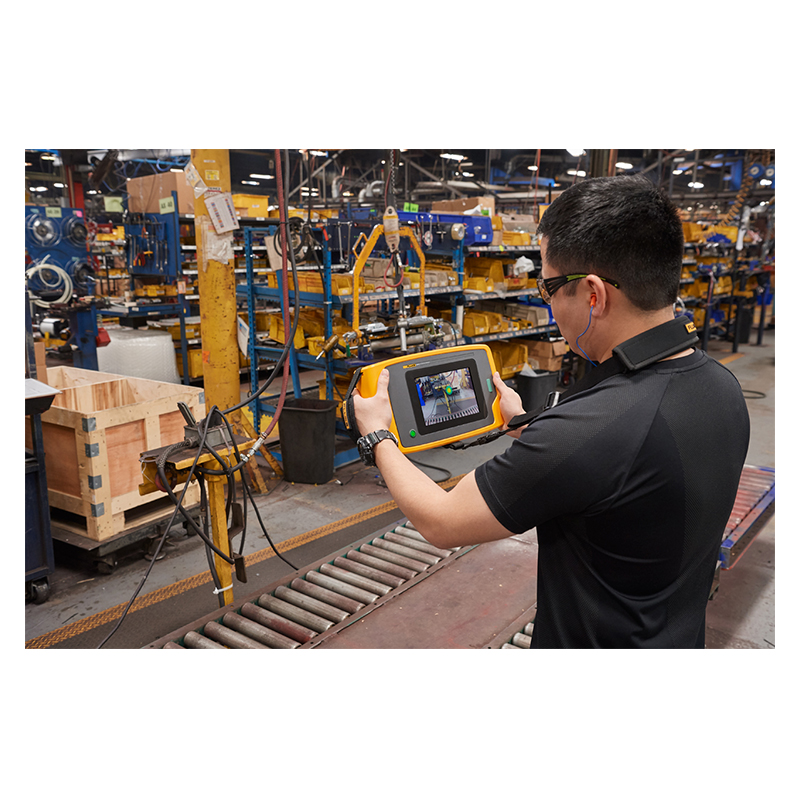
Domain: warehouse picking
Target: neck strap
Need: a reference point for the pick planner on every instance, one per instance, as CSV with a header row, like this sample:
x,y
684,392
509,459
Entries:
x,y
632,355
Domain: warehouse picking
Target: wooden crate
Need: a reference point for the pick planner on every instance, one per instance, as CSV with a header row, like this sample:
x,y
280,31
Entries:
x,y
93,435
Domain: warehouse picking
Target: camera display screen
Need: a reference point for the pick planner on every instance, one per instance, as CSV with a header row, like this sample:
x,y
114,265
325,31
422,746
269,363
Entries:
x,y
447,398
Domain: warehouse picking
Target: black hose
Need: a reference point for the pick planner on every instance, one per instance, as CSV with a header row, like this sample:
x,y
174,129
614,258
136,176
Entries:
x,y
290,341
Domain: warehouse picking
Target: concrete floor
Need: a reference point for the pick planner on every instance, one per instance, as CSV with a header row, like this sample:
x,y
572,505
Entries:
x,y
742,614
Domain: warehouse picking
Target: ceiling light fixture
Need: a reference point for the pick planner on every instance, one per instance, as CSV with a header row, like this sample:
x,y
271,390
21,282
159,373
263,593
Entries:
x,y
258,175
452,156
533,168
252,183
575,151
623,165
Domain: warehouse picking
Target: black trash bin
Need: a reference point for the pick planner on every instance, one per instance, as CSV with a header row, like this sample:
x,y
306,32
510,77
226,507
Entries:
x,y
534,389
308,439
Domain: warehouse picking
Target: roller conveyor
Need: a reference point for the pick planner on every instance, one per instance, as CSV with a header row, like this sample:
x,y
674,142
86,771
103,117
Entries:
x,y
396,590
307,610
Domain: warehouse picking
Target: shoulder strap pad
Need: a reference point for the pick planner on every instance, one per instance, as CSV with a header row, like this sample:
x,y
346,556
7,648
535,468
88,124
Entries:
x,y
657,343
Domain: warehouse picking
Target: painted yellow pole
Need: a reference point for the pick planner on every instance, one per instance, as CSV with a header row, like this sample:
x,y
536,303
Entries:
x,y
217,289
219,534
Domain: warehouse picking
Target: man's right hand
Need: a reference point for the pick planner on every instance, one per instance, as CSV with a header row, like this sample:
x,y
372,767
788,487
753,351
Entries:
x,y
510,401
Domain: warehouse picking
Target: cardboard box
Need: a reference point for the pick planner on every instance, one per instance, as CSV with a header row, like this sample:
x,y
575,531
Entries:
x,y
145,192
545,364
524,223
546,349
463,206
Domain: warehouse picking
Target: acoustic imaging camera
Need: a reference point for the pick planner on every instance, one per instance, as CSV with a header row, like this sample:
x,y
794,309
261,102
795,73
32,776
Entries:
x,y
437,398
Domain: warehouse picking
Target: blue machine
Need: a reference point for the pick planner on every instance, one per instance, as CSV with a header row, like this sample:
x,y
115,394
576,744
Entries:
x,y
437,231
152,244
57,236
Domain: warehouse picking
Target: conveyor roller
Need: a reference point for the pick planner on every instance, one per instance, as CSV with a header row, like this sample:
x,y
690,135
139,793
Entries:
x,y
294,614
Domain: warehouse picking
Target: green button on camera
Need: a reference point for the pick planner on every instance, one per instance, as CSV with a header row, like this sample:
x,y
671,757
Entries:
x,y
412,433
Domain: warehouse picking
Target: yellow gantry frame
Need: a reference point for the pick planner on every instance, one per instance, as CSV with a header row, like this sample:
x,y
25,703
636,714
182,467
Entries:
x,y
377,232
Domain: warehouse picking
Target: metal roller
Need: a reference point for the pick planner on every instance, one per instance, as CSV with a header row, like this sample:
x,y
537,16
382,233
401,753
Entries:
x,y
327,596
346,589
408,552
412,533
173,646
414,544
521,640
196,641
394,558
311,604
278,623
219,633
356,580
528,629
368,572
290,611
381,564
258,632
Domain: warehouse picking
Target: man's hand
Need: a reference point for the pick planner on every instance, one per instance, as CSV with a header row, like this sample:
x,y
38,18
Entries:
x,y
510,401
374,413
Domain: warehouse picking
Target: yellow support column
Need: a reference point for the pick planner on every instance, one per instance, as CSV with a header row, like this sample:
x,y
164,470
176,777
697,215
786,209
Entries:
x,y
217,289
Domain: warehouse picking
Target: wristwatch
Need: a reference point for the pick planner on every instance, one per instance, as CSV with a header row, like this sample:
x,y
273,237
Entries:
x,y
366,445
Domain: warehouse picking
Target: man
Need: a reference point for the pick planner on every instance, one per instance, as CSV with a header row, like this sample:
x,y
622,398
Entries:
x,y
629,482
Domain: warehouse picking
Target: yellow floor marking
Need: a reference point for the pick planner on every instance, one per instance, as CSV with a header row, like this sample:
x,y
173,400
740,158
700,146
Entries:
x,y
166,592
730,358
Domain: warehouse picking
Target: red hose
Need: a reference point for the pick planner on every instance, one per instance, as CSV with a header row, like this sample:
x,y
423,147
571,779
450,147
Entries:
x,y
285,269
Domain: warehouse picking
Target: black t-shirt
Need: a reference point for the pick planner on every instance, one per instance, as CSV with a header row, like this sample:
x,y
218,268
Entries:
x,y
629,485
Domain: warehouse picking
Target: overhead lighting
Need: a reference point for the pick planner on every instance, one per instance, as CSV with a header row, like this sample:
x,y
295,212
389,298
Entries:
x,y
579,172
48,157
28,164
575,151
763,182
533,168
695,185
452,156
265,177
678,171
468,174
38,188
623,165
61,185
91,191
318,152
174,169
252,183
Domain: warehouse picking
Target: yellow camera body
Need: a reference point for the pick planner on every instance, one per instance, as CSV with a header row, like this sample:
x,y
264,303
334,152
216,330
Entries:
x,y
437,397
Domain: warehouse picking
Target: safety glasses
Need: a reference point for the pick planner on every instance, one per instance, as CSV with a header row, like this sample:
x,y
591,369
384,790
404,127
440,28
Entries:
x,y
549,286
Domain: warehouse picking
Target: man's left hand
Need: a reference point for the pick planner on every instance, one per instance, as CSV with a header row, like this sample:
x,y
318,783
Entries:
x,y
374,413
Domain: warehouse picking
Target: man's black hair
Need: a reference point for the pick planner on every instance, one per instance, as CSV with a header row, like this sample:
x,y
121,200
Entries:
x,y
622,228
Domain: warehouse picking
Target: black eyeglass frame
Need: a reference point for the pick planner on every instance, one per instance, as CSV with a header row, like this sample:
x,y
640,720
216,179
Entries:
x,y
549,286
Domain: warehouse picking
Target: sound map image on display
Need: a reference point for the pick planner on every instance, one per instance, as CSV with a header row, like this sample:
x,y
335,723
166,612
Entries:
x,y
446,397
